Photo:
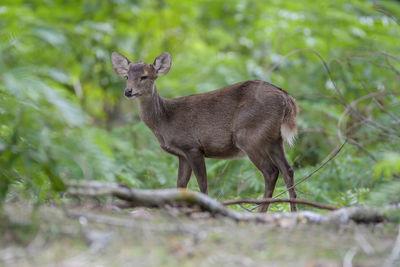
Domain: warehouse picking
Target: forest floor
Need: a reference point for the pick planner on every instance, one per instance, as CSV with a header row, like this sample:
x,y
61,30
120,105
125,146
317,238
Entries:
x,y
89,236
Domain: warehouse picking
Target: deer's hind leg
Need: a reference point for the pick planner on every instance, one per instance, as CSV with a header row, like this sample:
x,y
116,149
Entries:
x,y
260,158
277,154
270,173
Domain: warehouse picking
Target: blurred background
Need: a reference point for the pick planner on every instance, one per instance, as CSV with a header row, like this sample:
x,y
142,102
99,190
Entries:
x,y
63,114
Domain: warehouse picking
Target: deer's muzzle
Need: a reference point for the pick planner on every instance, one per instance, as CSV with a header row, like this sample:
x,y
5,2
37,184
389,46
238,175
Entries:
x,y
130,94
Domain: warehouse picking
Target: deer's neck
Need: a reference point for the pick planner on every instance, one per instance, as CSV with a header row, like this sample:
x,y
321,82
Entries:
x,y
152,109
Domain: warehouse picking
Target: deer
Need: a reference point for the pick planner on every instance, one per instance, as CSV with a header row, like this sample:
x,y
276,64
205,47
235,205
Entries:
x,y
251,118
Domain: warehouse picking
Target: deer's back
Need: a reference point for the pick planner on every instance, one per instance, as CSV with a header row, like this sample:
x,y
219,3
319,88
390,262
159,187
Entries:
x,y
210,120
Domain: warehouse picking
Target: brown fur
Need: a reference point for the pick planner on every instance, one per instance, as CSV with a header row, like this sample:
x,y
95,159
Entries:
x,y
241,119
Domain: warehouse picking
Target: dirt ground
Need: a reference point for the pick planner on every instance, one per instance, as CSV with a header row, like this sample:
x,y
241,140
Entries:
x,y
88,236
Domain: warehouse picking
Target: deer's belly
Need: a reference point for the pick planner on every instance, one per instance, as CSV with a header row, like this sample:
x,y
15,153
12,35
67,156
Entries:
x,y
211,147
223,152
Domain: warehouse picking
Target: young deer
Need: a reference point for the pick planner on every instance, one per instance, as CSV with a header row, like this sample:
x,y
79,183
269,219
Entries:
x,y
248,118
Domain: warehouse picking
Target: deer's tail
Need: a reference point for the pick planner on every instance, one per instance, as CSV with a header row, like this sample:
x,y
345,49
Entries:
x,y
289,125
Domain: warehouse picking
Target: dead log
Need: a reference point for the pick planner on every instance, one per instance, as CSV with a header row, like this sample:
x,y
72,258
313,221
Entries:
x,y
152,198
162,197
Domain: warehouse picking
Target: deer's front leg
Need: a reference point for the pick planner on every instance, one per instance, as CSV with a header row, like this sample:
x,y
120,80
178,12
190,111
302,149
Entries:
x,y
184,173
198,165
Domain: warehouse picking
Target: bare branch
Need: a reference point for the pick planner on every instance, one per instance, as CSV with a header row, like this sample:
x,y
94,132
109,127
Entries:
x,y
243,207
273,200
330,157
350,109
377,103
385,12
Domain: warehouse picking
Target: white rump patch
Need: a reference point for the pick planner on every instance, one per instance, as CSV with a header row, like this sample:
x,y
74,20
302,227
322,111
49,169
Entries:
x,y
289,135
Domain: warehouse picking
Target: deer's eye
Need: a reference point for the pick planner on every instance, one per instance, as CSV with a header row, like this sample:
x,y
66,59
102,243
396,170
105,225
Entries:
x,y
144,78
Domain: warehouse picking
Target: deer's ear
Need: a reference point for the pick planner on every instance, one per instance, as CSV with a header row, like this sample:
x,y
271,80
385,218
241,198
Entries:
x,y
162,64
120,64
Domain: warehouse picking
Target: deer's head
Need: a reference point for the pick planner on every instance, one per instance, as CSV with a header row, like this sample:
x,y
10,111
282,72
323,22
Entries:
x,y
140,77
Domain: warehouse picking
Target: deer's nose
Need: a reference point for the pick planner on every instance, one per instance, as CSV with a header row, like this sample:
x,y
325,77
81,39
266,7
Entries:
x,y
128,91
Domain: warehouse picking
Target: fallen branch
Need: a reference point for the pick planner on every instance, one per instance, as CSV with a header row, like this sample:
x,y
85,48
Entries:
x,y
162,197
275,200
153,198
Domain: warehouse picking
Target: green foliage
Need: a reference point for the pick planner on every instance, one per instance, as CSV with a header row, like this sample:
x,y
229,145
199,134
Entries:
x,y
388,192
388,166
63,114
21,231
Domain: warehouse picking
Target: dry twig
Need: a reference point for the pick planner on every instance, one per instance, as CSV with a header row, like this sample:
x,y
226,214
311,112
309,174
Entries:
x,y
377,103
273,200
330,157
